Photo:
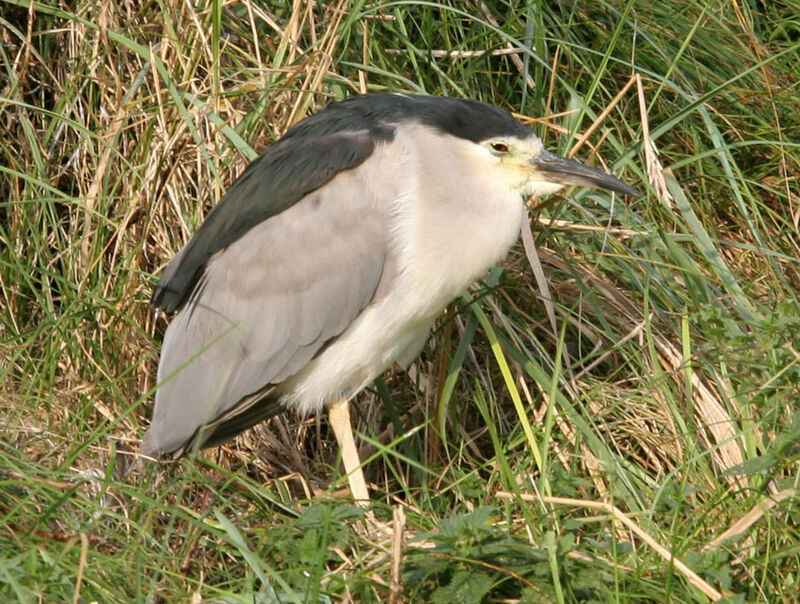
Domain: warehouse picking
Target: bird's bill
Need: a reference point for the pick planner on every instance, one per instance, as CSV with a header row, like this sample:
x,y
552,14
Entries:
x,y
563,171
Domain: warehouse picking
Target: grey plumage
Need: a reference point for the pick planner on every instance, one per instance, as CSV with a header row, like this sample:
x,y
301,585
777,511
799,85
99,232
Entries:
x,y
268,304
338,138
332,254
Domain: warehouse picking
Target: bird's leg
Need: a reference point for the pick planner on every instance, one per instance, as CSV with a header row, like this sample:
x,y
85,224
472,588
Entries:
x,y
339,417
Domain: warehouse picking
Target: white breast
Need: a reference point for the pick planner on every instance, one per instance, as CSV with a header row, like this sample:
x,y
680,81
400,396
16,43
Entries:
x,y
442,242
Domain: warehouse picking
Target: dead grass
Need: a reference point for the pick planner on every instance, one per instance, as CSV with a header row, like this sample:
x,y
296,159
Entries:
x,y
650,373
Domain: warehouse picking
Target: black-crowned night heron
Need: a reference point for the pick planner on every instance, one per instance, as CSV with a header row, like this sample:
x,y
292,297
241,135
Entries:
x,y
332,255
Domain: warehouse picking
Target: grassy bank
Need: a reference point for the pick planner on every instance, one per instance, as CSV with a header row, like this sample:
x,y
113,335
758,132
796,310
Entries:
x,y
623,428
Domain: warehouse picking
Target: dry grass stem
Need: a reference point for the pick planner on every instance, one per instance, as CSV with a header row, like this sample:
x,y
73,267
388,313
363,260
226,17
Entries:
x,y
618,515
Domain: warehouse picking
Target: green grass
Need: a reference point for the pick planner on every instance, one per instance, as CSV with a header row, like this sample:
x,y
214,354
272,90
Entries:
x,y
656,416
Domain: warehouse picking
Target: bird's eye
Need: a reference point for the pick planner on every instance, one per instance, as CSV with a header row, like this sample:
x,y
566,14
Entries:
x,y
499,147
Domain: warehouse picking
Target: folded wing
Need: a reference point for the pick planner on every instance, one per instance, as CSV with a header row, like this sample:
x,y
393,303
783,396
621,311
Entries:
x,y
262,307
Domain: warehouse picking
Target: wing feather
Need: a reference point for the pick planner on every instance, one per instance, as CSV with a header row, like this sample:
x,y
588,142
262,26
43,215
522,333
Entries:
x,y
269,302
286,172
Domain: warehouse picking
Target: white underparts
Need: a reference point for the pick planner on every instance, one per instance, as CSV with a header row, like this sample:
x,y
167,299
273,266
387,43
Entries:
x,y
448,226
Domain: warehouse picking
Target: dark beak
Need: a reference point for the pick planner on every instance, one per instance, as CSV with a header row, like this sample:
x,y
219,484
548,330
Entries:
x,y
565,171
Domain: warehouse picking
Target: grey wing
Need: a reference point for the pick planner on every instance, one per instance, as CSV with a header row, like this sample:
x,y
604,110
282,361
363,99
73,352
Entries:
x,y
285,173
266,305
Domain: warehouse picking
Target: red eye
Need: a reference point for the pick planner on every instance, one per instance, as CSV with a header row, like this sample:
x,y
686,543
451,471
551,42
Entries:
x,y
499,147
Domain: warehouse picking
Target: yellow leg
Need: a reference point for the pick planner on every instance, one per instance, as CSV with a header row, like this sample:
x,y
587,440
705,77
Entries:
x,y
339,417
